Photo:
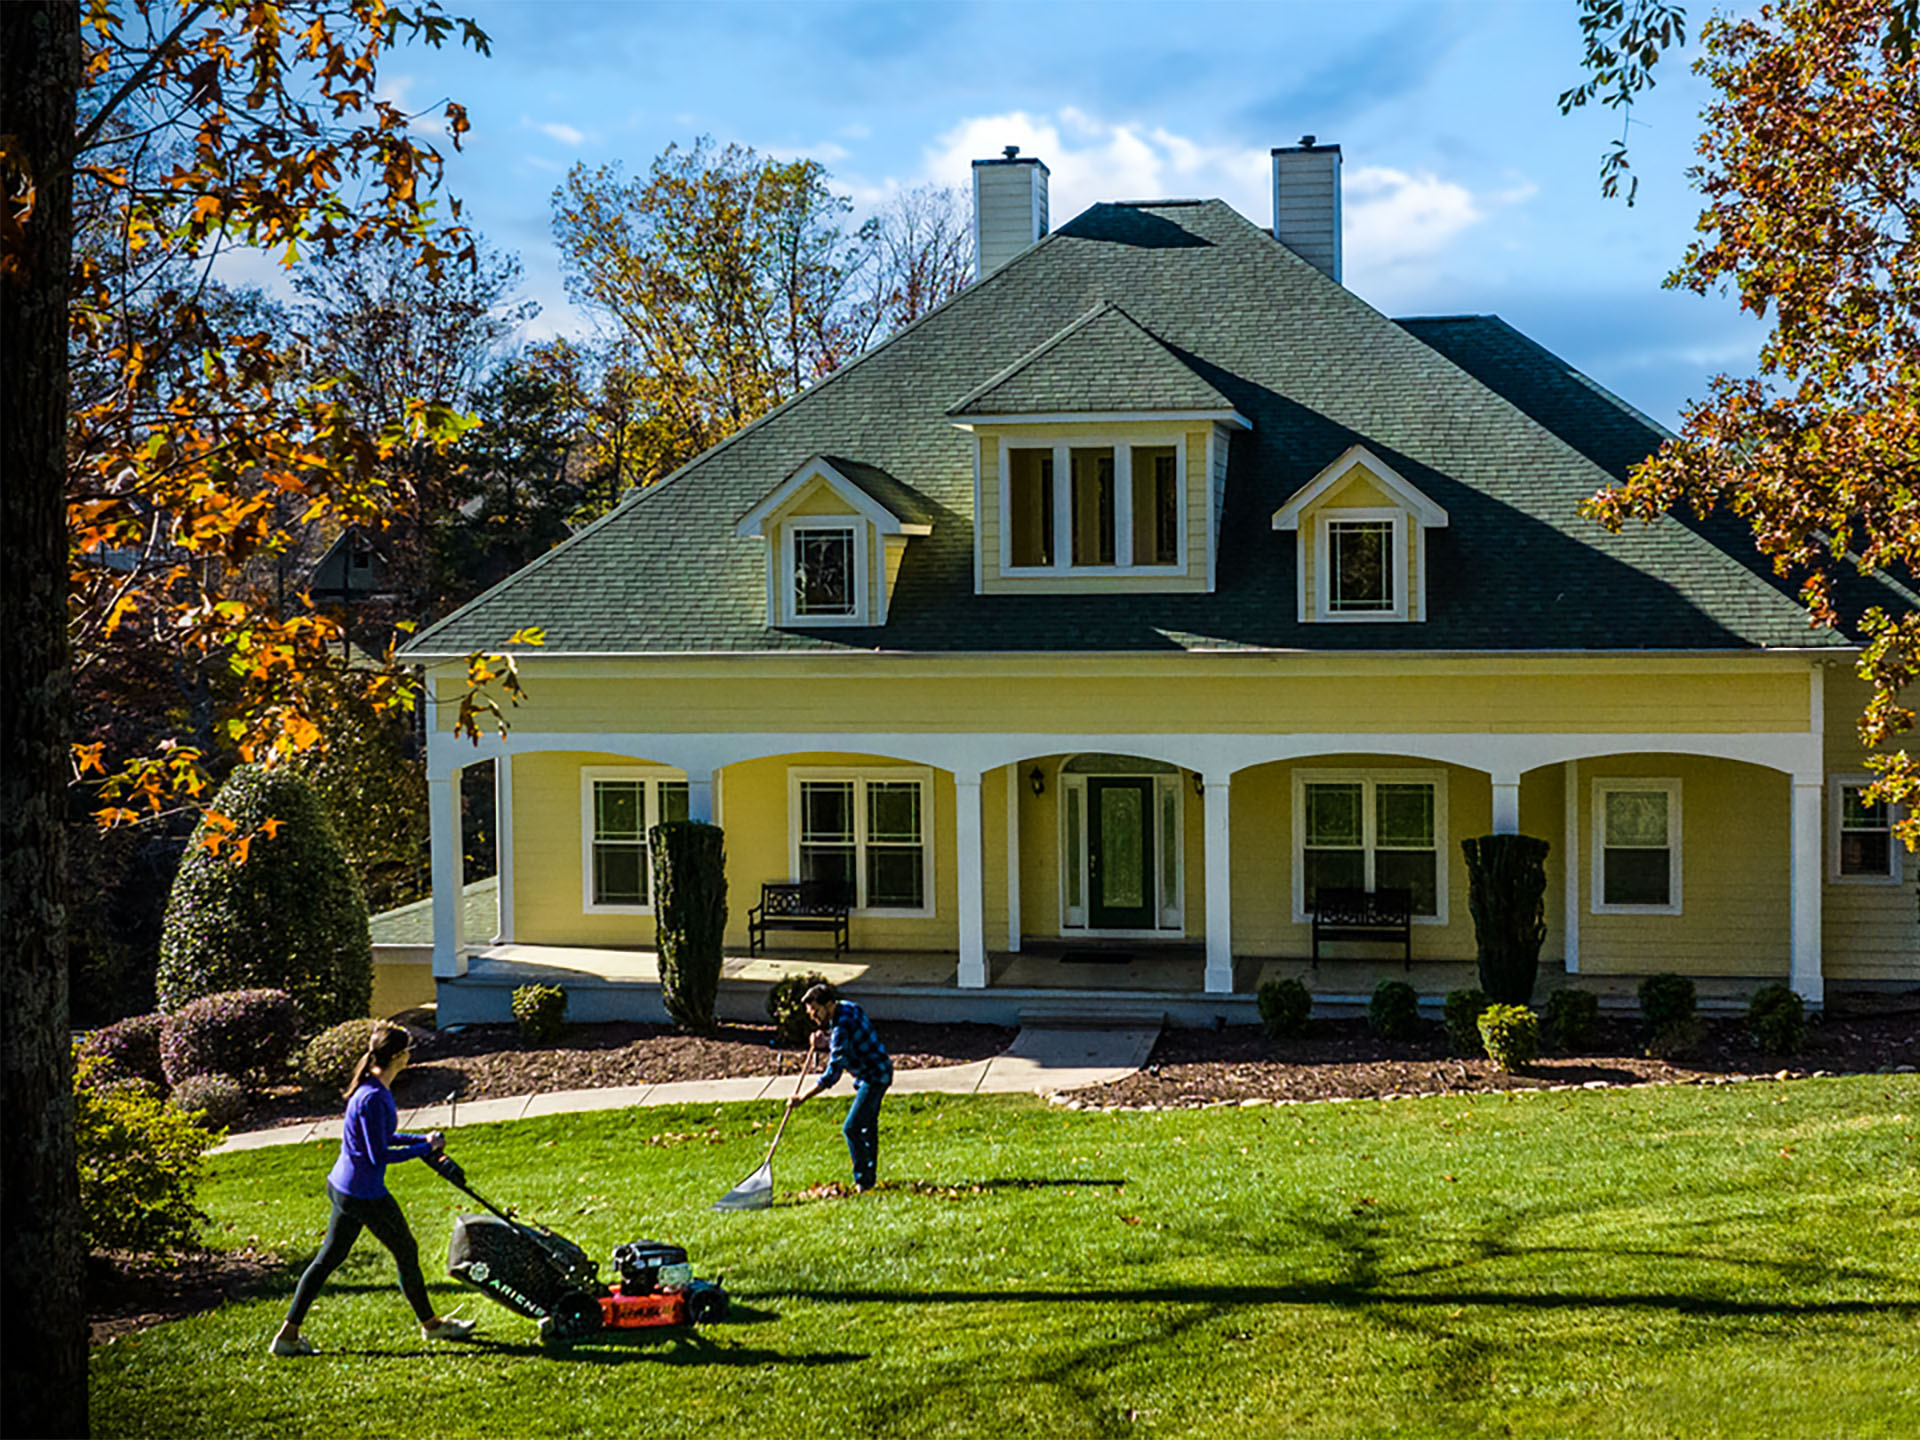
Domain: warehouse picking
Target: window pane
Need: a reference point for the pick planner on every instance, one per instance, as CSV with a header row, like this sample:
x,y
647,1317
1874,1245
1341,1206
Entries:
x,y
1866,853
832,866
1074,864
1637,877
1410,870
1093,507
1333,815
894,878
1156,506
619,874
1856,814
673,800
1030,502
826,812
893,811
1636,818
618,809
823,572
1361,555
1123,861
1334,869
1403,816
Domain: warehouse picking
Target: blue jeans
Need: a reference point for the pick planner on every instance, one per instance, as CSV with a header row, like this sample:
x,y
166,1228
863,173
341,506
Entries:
x,y
863,1131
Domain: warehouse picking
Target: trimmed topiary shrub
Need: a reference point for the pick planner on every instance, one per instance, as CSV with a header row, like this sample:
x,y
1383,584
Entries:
x,y
244,1032
1778,1019
1394,1011
690,916
214,1101
1571,1017
1462,1012
541,1011
129,1048
1285,1006
1511,1035
1506,895
790,1019
288,916
140,1165
326,1061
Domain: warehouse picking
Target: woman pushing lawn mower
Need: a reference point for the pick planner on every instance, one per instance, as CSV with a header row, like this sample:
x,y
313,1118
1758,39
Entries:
x,y
856,1049
357,1185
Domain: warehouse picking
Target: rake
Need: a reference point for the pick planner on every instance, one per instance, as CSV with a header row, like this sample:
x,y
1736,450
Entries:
x,y
756,1191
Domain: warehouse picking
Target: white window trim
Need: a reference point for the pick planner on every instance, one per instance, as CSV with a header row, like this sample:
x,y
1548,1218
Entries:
x,y
1597,869
1123,448
862,560
1073,919
1323,520
653,775
1835,811
1441,855
860,774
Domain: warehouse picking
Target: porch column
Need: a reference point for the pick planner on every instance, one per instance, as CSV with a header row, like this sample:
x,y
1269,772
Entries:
x,y
700,795
449,898
503,843
1506,803
1219,888
1805,975
968,868
1013,857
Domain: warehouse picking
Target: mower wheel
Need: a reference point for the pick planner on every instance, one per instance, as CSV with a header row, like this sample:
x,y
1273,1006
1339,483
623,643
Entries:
x,y
706,1304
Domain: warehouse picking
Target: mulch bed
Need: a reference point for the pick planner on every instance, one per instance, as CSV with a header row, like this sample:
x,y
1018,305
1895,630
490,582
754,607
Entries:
x,y
130,1293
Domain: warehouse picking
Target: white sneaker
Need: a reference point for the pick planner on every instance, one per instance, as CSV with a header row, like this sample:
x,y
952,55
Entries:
x,y
448,1328
289,1348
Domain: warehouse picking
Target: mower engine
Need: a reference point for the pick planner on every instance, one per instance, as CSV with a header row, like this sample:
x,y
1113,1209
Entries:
x,y
657,1287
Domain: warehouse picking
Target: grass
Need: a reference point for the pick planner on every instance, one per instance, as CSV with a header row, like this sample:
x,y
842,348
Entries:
x,y
1731,1261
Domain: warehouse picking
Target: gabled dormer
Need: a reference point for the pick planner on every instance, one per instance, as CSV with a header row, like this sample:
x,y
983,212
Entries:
x,y
1100,463
836,531
1361,530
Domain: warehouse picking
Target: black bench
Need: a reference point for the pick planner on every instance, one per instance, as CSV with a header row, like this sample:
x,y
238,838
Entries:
x,y
798,905
1340,914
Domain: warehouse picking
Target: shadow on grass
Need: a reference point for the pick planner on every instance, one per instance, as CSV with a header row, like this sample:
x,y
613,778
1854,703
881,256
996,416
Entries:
x,y
659,1346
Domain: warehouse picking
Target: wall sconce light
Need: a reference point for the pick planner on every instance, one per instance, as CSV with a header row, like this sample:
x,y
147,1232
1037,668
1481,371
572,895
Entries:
x,y
1037,781
1199,784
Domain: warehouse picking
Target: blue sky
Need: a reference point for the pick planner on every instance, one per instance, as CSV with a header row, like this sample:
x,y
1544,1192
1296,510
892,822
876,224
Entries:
x,y
1465,190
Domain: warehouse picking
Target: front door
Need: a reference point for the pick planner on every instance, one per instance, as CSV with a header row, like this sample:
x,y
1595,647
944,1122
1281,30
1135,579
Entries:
x,y
1120,854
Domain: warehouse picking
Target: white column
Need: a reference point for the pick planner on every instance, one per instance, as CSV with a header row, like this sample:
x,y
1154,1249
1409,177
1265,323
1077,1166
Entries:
x,y
968,867
503,843
1013,858
1806,978
1506,803
449,899
1219,887
700,795
1570,858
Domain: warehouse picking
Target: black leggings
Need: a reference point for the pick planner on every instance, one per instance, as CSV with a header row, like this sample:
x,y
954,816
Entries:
x,y
352,1214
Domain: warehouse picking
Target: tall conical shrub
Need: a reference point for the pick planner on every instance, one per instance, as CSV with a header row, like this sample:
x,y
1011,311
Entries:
x,y
690,916
1506,894
288,916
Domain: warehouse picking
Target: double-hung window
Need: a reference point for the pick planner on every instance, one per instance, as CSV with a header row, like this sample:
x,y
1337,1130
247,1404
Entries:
x,y
1636,847
1093,508
1862,849
619,805
1371,830
868,834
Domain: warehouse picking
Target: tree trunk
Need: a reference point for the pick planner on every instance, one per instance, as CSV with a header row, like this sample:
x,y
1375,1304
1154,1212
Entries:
x,y
43,1366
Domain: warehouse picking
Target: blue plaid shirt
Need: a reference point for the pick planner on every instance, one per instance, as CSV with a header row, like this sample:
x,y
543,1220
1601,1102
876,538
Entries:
x,y
856,1049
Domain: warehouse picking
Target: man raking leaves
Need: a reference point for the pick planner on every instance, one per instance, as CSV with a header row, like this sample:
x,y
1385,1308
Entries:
x,y
854,1049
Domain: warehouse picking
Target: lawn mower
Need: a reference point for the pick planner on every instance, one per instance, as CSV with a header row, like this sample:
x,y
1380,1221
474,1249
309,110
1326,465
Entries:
x,y
549,1279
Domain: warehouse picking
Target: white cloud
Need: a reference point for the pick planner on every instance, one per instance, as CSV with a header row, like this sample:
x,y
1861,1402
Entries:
x,y
565,134
1395,219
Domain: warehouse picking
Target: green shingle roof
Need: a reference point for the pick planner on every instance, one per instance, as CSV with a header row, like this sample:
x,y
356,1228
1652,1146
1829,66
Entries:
x,y
1308,363
1101,363
901,500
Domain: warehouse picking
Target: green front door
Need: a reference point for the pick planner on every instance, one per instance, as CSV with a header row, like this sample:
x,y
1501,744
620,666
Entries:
x,y
1120,854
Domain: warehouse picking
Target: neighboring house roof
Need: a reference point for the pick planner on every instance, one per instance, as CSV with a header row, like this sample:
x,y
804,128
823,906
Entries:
x,y
1310,365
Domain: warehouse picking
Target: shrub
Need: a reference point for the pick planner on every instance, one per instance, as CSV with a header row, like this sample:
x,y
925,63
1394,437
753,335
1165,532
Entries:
x,y
690,916
1778,1019
541,1011
1673,1039
214,1101
1506,895
140,1165
1394,1011
244,1032
1285,1006
1571,1018
790,1019
326,1062
1666,1001
1511,1035
129,1048
1463,1009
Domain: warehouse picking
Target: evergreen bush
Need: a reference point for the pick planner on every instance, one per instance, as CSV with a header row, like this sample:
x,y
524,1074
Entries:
x,y
690,916
541,1011
326,1061
1778,1019
250,1033
1666,1001
215,1102
140,1164
1462,1011
1511,1035
791,1023
1506,895
288,916
1285,1006
129,1048
1571,1018
1394,1011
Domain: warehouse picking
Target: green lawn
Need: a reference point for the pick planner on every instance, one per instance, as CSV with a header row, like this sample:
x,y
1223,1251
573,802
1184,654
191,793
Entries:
x,y
1742,1260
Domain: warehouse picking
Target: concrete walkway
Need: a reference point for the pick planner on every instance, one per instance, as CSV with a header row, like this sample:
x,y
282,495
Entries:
x,y
1041,1061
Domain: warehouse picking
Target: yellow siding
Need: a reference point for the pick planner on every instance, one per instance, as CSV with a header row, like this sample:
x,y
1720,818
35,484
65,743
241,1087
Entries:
x,y
818,498
548,884
1359,489
1868,932
1543,814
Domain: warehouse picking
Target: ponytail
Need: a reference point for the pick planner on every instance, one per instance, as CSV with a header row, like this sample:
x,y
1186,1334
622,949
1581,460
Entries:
x,y
386,1042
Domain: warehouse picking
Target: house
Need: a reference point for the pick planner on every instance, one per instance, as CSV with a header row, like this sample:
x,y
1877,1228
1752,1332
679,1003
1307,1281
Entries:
x,y
1116,608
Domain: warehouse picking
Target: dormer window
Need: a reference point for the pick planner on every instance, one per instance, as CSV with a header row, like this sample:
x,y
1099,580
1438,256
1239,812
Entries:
x,y
1362,542
1121,510
823,556
1358,570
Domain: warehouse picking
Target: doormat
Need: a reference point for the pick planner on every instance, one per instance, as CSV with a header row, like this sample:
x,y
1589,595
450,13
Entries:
x,y
1096,957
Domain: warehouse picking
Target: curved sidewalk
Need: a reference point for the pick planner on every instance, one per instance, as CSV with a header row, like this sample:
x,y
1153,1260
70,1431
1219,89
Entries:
x,y
1040,1061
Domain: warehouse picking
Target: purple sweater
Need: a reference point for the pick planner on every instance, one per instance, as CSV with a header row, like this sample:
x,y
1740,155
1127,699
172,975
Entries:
x,y
371,1141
